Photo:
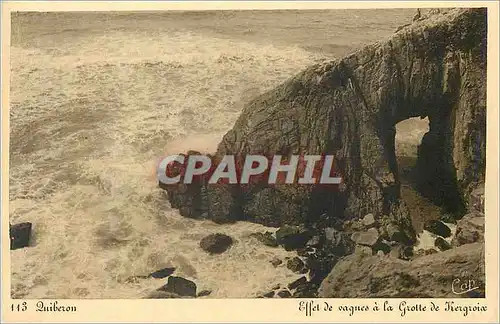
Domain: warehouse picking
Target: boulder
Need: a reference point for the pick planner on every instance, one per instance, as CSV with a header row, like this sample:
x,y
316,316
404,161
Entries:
x,y
293,237
269,294
275,262
470,229
307,290
369,221
266,239
437,227
368,238
393,233
162,273
401,252
20,235
204,293
216,243
179,286
337,242
160,294
284,294
296,265
296,283
442,244
364,276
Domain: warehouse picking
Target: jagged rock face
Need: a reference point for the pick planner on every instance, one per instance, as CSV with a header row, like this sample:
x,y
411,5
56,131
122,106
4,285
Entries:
x,y
433,68
436,276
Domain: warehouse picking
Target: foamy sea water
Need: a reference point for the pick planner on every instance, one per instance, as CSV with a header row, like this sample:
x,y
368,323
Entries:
x,y
89,121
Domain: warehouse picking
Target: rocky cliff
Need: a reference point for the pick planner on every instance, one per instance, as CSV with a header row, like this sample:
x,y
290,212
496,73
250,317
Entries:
x,y
434,67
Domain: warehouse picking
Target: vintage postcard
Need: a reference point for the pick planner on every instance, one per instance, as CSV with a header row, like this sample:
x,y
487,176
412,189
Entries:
x,y
250,161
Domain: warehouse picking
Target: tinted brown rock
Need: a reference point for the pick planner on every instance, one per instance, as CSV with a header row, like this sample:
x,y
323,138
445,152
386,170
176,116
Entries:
x,y
470,229
362,276
216,243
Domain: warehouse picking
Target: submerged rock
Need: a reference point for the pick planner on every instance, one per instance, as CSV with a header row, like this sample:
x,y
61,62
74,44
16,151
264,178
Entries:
x,y
307,290
284,294
438,228
162,273
216,243
369,221
269,294
275,262
401,252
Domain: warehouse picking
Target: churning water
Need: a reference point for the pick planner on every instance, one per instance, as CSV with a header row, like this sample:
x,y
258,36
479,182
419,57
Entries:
x,y
98,98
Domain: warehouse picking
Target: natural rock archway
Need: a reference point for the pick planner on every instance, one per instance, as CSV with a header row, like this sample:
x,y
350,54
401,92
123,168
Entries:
x,y
434,68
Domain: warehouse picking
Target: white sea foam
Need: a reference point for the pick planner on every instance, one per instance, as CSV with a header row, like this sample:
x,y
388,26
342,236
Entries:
x,y
89,119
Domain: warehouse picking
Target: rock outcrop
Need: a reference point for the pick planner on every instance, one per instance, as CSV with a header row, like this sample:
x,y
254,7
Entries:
x,y
470,229
216,243
435,68
437,275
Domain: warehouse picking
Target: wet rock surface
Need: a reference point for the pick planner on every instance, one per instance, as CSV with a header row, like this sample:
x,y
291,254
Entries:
x,y
470,229
266,238
348,108
162,273
179,286
293,237
296,265
439,228
204,293
442,244
20,235
428,276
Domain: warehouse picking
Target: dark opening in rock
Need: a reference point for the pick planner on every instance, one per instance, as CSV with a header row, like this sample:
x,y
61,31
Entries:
x,y
425,169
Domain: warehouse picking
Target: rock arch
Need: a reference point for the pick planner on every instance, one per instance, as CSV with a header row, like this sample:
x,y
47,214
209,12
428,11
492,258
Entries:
x,y
435,68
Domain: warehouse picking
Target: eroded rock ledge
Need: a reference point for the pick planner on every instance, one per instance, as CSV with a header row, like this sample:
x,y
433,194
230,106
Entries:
x,y
438,275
